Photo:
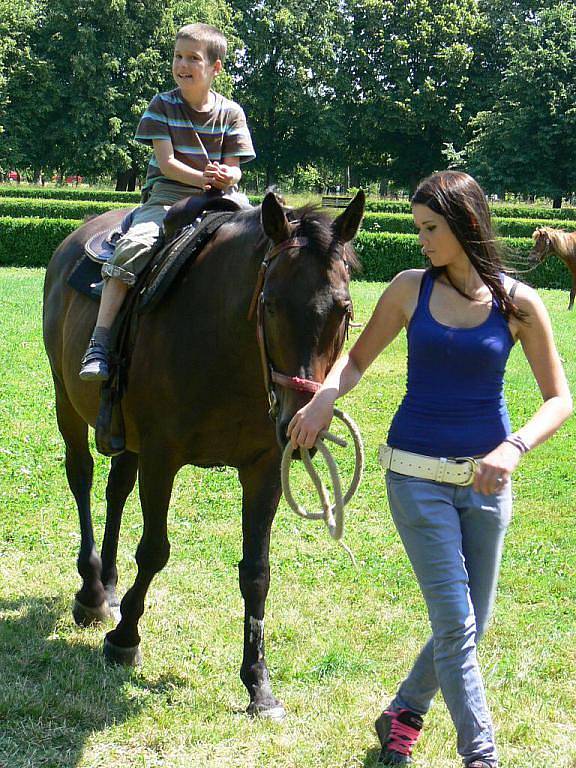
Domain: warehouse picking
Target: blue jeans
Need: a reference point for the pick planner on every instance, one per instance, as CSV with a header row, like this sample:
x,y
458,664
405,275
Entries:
x,y
453,537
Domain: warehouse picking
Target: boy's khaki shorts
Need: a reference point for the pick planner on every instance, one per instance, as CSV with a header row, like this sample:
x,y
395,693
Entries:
x,y
132,251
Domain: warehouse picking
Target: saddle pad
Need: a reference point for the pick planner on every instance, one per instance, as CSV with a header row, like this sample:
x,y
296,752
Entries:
x,y
100,246
171,258
86,278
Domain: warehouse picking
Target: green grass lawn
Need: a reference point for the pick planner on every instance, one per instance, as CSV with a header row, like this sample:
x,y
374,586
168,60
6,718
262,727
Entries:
x,y
339,640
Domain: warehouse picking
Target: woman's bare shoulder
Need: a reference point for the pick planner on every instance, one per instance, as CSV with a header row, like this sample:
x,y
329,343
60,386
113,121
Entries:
x,y
403,292
525,297
407,281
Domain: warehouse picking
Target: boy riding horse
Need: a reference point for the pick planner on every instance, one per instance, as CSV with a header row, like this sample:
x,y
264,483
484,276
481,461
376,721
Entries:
x,y
199,139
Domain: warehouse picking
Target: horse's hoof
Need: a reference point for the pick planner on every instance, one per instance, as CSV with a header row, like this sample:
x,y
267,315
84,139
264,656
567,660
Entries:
x,y
85,615
126,657
276,712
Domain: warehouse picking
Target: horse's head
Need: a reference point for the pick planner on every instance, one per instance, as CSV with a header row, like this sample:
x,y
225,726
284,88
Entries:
x,y
304,305
542,245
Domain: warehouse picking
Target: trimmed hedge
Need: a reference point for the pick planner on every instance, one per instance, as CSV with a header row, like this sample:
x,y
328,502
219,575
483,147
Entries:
x,y
64,193
403,223
400,223
499,210
383,255
93,195
30,242
49,208
55,209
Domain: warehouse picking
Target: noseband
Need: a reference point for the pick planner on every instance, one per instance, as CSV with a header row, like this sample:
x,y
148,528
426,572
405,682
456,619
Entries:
x,y
272,376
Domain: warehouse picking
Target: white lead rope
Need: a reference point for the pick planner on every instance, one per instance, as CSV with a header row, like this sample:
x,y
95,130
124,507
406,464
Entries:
x,y
332,514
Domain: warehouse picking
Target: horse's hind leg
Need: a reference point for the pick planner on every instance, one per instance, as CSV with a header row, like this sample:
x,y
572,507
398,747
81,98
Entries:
x,y
90,604
572,291
121,480
156,478
261,494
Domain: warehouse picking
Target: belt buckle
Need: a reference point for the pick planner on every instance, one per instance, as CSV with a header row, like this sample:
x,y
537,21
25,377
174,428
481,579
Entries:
x,y
473,463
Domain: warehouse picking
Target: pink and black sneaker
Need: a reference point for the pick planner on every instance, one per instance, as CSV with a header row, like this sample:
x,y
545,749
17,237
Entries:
x,y
398,732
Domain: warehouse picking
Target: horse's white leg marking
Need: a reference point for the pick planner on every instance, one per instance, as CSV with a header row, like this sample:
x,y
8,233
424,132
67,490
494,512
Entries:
x,y
257,635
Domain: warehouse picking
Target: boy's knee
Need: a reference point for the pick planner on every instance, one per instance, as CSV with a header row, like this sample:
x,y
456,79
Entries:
x,y
115,272
129,259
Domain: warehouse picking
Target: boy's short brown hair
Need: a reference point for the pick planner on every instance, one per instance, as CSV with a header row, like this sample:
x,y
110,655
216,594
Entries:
x,y
213,39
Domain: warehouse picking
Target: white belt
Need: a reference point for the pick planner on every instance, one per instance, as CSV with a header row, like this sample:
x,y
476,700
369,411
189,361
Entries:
x,y
459,471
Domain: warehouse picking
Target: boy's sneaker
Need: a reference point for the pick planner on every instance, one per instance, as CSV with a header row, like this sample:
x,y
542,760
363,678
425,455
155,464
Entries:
x,y
95,363
398,732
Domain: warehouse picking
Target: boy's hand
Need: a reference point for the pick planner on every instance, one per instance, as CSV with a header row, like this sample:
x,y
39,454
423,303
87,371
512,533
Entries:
x,y
220,176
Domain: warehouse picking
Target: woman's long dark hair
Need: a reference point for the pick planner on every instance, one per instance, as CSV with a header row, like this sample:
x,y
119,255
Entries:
x,y
459,199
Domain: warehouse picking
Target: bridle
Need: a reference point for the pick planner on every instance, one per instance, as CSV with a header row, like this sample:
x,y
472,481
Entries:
x,y
270,374
546,247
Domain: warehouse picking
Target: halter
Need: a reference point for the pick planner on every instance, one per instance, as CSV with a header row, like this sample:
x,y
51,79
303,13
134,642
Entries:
x,y
272,376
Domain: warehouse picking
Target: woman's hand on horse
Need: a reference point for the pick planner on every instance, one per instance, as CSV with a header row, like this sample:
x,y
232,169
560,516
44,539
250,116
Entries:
x,y
495,468
309,421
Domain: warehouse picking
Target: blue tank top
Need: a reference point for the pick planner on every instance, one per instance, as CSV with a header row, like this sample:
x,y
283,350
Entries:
x,y
454,402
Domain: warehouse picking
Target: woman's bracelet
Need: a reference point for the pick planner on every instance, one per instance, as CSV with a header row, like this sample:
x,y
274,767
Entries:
x,y
518,442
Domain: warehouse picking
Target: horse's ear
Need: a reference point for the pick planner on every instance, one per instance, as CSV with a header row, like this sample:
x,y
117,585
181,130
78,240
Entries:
x,y
347,224
274,221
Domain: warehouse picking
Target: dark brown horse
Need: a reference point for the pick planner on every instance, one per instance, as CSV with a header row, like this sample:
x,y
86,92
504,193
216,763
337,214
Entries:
x,y
196,396
563,244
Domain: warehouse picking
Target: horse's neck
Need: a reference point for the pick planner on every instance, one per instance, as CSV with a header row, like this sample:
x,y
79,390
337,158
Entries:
x,y
565,245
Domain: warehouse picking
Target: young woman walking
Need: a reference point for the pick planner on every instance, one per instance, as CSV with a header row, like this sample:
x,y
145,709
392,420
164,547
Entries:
x,y
450,451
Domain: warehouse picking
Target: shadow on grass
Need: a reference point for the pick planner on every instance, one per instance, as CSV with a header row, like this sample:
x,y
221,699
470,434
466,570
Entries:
x,y
371,759
56,691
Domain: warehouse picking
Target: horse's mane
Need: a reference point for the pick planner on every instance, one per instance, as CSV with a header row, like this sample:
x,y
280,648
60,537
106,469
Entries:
x,y
317,227
312,223
564,243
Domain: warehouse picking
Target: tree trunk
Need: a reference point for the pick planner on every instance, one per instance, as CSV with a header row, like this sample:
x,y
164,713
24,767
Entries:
x,y
270,175
557,202
131,186
353,177
122,181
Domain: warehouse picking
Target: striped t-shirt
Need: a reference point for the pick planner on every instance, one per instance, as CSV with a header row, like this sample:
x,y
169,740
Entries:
x,y
196,137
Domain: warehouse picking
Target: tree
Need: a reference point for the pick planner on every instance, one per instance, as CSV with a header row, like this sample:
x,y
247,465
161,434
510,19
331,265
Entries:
x,y
16,24
90,71
526,142
284,79
409,67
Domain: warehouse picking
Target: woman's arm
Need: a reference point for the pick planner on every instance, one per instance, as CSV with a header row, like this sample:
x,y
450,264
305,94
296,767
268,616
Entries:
x,y
392,313
537,341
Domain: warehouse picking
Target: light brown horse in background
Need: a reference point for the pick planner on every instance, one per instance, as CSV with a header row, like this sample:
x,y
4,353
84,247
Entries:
x,y
563,244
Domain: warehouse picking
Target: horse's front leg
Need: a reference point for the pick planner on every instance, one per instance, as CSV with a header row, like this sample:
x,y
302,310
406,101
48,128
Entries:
x,y
261,494
156,478
572,291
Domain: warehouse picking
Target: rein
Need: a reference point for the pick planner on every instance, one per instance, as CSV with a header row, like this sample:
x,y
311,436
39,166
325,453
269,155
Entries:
x,y
332,514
